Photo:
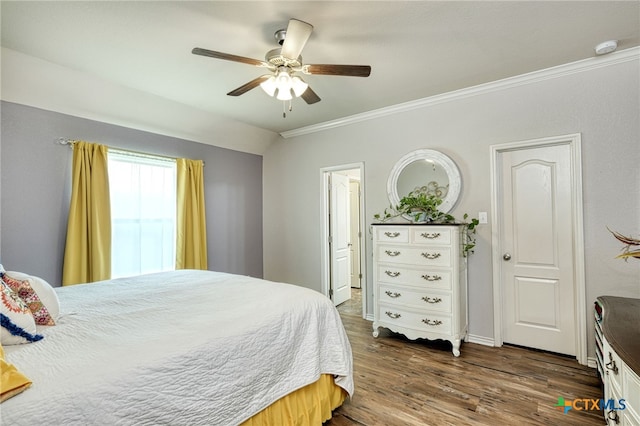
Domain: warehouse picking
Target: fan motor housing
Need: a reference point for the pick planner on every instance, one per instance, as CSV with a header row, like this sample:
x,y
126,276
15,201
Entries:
x,y
275,58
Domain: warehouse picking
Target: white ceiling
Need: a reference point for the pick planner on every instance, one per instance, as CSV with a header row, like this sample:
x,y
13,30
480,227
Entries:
x,y
416,49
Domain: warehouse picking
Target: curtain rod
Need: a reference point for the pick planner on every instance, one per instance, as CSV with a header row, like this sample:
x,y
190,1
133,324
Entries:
x,y
71,142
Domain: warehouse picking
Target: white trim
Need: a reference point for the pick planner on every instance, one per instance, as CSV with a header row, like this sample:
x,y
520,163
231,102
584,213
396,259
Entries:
x,y
480,340
506,83
324,231
574,142
450,168
592,362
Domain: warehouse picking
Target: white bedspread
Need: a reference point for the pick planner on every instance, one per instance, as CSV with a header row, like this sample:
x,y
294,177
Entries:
x,y
178,348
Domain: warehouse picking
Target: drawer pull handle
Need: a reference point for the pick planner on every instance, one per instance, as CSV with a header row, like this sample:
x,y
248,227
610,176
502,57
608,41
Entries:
x,y
392,253
432,277
430,236
393,315
392,234
392,274
611,365
431,322
430,300
613,415
431,256
393,295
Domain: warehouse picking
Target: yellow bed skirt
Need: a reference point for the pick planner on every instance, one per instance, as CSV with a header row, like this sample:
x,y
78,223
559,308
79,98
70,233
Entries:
x,y
310,405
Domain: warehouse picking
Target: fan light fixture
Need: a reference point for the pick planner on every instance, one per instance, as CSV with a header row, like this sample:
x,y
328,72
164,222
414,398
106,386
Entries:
x,y
284,62
282,84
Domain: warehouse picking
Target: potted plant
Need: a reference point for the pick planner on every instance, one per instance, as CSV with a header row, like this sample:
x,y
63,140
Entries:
x,y
419,207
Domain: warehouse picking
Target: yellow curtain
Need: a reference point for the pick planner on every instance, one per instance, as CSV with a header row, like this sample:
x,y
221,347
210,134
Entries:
x,y
87,255
191,244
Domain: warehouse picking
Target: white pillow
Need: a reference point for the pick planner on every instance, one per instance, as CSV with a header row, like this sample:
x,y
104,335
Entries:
x,y
17,324
43,289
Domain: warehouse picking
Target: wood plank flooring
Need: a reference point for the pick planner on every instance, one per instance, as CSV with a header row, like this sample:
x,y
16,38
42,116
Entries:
x,y
404,382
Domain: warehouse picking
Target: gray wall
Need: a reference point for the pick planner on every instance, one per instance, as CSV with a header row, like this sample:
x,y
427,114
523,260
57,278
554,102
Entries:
x,y
36,183
601,103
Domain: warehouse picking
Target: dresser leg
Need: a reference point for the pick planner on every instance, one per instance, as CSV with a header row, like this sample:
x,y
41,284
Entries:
x,y
375,330
456,347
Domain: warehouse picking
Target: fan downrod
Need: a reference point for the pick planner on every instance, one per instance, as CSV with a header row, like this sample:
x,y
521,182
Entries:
x,y
280,36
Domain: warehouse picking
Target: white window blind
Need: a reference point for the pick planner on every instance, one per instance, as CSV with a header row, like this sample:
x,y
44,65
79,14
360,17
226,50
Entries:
x,y
143,213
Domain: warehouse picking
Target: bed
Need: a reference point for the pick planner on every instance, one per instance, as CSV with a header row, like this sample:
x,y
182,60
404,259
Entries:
x,y
184,348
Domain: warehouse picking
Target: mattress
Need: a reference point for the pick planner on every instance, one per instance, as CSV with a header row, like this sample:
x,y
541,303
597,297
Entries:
x,y
177,348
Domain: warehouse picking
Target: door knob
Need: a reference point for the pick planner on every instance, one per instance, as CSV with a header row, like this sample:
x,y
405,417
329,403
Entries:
x,y
506,256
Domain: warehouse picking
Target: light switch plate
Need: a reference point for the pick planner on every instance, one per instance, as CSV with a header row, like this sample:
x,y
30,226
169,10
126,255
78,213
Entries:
x,y
482,217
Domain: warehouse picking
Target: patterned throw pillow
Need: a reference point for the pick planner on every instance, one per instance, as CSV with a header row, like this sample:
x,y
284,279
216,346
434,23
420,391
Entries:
x,y
43,289
25,291
17,324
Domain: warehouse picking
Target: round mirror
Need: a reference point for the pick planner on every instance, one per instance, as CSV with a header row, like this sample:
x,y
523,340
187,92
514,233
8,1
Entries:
x,y
427,171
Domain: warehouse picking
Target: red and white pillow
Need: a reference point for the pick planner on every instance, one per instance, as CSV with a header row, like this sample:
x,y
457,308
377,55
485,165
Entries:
x,y
39,296
17,324
25,301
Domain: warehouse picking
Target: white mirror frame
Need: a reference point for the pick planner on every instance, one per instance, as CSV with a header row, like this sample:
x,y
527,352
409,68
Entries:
x,y
455,181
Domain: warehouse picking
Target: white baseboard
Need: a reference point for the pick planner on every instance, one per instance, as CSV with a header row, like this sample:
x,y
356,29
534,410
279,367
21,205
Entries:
x,y
592,362
481,340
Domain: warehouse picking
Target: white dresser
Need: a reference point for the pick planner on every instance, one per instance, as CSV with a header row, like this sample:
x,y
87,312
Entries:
x,y
618,358
420,281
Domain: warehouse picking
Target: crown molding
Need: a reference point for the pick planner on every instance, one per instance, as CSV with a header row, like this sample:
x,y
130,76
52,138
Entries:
x,y
510,82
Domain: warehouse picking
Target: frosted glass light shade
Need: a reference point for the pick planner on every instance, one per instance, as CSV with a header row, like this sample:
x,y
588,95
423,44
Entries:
x,y
284,94
269,86
283,79
282,84
298,86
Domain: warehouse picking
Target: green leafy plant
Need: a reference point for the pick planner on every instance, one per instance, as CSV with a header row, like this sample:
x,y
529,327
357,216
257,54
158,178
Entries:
x,y
470,234
419,207
422,208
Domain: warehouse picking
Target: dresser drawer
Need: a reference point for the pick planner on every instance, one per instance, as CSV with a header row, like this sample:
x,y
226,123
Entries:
x,y
412,255
422,277
414,298
613,366
432,235
392,234
423,322
631,386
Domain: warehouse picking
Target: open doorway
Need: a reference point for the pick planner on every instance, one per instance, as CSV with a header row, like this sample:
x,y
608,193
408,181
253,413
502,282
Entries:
x,y
342,237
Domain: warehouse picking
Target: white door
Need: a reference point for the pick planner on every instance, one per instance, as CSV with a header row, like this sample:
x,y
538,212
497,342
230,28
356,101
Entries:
x,y
354,200
536,239
340,246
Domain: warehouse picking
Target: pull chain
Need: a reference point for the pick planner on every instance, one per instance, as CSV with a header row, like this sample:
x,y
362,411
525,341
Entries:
x,y
284,108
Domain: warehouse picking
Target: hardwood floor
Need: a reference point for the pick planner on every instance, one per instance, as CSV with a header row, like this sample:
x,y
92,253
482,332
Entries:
x,y
403,382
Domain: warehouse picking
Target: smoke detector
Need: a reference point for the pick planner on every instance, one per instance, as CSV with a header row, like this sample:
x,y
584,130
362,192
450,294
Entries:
x,y
606,47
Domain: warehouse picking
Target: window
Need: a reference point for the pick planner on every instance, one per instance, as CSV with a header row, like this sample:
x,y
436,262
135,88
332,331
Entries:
x,y
143,213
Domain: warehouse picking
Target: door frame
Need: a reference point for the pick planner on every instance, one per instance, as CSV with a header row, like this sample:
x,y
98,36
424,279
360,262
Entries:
x,y
574,142
325,255
357,228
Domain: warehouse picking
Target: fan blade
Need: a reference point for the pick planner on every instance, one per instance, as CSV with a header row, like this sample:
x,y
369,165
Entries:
x,y
248,86
346,70
228,57
310,96
298,33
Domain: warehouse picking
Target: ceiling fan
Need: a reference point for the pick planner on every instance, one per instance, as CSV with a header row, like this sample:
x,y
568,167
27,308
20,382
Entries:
x,y
285,63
